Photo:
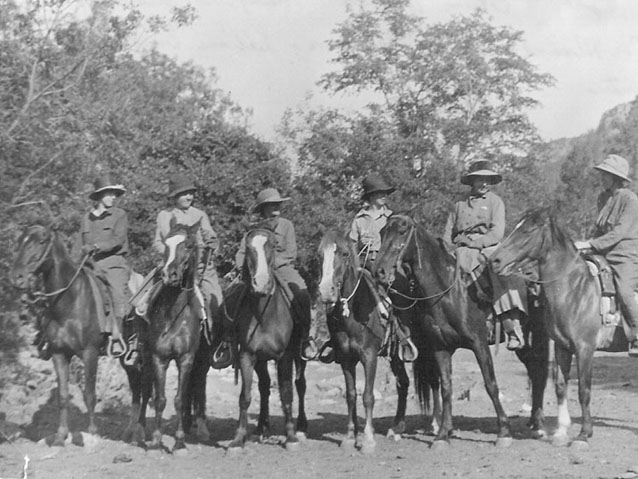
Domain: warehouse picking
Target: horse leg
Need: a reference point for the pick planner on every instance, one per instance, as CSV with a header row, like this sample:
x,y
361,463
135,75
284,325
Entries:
x,y
535,361
61,364
184,368
134,431
284,376
300,385
159,379
90,359
584,362
402,384
444,362
562,366
484,358
426,384
246,364
196,398
349,368
263,379
369,361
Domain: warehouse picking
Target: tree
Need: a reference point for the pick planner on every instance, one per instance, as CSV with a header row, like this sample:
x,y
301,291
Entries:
x,y
458,87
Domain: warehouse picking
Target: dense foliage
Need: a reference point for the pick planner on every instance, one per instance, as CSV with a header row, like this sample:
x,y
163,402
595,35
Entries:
x,y
75,100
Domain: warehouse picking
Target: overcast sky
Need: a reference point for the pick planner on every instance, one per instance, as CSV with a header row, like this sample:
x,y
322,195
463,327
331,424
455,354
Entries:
x,y
269,54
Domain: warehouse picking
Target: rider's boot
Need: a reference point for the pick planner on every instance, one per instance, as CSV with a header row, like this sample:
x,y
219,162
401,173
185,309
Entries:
x,y
512,327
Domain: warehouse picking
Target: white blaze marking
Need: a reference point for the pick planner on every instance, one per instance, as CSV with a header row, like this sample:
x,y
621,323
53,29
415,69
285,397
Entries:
x,y
261,273
171,243
327,272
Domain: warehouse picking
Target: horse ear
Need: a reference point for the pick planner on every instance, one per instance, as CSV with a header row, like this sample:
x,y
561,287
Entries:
x,y
194,227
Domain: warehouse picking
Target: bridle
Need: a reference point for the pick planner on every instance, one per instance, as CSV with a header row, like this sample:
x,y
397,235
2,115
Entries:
x,y
413,233
40,295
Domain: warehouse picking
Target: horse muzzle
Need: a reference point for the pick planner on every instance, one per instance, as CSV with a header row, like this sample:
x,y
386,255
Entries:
x,y
384,278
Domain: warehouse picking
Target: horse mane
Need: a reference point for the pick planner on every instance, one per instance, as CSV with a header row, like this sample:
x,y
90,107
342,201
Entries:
x,y
432,243
545,216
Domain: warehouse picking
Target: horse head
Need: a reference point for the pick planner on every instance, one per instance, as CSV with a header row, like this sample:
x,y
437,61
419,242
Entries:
x,y
528,242
33,255
258,263
180,254
395,241
337,253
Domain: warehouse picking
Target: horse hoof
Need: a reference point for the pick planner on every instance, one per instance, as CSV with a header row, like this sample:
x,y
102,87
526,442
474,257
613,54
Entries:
x,y
440,445
55,440
580,444
301,436
503,442
181,452
368,447
292,446
236,446
539,434
348,445
396,437
560,441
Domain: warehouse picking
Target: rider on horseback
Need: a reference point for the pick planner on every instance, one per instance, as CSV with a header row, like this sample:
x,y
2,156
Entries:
x,y
365,232
104,236
268,206
615,237
182,193
474,228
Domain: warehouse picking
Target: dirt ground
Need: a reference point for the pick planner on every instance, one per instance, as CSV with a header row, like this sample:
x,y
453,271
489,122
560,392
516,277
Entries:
x,y
28,414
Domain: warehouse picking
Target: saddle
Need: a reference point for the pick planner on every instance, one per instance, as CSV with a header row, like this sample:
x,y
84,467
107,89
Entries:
x,y
599,267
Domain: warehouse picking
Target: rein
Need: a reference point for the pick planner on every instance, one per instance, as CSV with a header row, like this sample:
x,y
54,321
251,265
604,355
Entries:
x,y
41,296
399,262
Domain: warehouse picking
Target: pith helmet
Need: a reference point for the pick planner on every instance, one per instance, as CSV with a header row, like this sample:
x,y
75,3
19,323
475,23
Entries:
x,y
616,165
373,183
269,195
180,184
481,168
105,183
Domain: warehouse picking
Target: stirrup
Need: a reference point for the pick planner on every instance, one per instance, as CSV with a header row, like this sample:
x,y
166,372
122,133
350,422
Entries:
x,y
412,348
131,357
116,347
222,356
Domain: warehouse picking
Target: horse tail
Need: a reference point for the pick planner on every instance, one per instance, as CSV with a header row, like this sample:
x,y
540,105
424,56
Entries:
x,y
426,380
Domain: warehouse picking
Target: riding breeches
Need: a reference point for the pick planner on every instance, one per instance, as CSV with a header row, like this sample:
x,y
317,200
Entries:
x,y
626,279
117,272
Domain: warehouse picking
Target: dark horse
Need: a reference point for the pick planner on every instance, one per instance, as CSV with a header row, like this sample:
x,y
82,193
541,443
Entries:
x,y
454,319
264,330
70,324
357,332
174,332
572,299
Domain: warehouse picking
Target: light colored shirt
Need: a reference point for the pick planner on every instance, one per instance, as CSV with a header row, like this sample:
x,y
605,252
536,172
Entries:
x,y
366,228
480,218
285,243
205,234
616,229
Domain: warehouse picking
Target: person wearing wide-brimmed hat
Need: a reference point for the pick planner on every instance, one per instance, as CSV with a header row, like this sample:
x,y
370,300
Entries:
x,y
104,237
615,236
181,193
268,207
474,228
365,230
365,233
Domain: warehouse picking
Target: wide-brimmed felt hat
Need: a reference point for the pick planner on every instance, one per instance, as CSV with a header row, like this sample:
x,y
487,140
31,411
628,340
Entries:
x,y
105,183
180,184
373,183
481,168
616,165
269,195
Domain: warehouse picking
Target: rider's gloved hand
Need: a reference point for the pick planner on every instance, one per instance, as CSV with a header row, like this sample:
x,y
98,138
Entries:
x,y
89,249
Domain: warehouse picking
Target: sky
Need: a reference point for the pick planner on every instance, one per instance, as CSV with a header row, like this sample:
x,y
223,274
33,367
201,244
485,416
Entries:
x,y
270,54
